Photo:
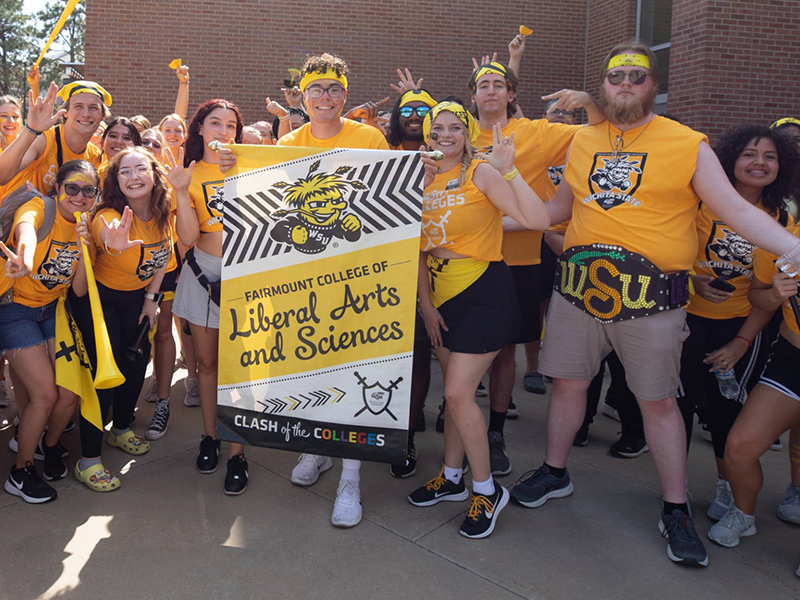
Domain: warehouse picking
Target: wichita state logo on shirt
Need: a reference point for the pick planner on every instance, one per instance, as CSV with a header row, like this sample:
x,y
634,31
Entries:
x,y
614,180
213,192
152,258
729,254
58,267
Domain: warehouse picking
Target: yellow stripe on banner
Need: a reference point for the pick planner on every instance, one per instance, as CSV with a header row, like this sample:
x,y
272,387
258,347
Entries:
x,y
251,157
57,29
73,370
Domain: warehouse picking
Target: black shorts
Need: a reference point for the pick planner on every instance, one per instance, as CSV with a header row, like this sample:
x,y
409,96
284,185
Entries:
x,y
170,281
485,316
545,273
528,300
781,372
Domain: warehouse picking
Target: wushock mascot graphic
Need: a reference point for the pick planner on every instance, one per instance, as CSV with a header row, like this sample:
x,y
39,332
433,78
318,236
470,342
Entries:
x,y
318,211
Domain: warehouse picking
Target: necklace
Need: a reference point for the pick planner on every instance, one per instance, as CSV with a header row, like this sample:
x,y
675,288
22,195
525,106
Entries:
x,y
618,145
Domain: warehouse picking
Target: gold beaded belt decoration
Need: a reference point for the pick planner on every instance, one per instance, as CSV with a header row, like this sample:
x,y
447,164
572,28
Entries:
x,y
612,284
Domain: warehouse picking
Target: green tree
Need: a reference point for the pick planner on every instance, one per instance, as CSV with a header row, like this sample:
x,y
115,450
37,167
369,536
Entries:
x,y
17,48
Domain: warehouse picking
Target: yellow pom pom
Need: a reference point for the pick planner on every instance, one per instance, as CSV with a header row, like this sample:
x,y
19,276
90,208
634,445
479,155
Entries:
x,y
526,31
175,63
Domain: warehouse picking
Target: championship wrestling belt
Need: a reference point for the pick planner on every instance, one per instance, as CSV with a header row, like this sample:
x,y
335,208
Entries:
x,y
612,284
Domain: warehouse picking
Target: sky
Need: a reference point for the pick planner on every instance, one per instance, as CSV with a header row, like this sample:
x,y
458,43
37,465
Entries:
x,y
32,6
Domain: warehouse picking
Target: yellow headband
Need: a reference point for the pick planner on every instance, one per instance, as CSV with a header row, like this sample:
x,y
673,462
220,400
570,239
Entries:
x,y
493,67
313,76
417,96
84,87
785,121
629,60
459,111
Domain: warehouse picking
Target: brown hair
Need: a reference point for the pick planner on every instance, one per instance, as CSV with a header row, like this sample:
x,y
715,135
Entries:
x,y
141,120
324,62
9,100
174,117
160,199
636,48
512,83
159,135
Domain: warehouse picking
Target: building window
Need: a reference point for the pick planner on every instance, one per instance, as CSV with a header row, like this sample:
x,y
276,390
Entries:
x,y
654,28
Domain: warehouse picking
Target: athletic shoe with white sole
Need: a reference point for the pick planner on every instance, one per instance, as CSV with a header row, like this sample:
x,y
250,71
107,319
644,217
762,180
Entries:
x,y
438,490
208,457
513,412
732,526
347,510
192,397
498,459
540,486
159,423
629,446
152,390
309,467
789,508
684,545
236,475
483,512
722,502
28,485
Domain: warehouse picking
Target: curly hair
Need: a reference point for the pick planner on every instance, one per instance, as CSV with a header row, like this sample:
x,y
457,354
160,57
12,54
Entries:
x,y
786,184
160,198
324,62
195,148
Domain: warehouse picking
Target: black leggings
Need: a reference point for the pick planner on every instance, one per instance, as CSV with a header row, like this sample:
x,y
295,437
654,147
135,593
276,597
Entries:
x,y
121,310
698,384
619,396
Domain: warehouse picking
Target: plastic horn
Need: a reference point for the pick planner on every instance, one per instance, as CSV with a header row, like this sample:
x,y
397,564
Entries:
x,y
108,375
214,145
435,154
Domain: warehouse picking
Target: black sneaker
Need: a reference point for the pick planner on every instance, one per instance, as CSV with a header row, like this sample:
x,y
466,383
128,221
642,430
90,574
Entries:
x,y
27,484
498,459
158,424
40,453
70,426
420,424
629,446
539,487
440,418
54,466
208,459
513,412
236,476
409,467
481,392
438,490
582,437
684,545
483,512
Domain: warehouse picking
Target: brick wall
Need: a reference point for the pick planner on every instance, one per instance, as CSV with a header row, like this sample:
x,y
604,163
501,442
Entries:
x,y
610,22
240,49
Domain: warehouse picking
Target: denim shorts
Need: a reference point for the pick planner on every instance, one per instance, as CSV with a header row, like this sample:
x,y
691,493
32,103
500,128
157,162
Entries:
x,y
22,326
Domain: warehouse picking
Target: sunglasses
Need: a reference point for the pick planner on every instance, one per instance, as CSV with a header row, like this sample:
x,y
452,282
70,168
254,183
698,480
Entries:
x,y
636,77
421,111
334,92
562,113
73,189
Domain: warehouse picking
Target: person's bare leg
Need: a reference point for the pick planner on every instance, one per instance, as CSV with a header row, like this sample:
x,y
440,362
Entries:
x,y
565,416
665,433
63,411
20,393
164,358
206,342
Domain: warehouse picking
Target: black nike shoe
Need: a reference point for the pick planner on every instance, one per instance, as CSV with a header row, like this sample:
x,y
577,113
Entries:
x,y
27,484
409,467
483,512
237,476
438,490
208,458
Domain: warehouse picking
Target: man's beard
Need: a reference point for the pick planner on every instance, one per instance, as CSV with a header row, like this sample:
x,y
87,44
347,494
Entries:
x,y
413,135
628,112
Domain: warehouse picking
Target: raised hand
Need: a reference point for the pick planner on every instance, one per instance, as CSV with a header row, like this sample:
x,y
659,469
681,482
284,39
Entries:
x,y
275,109
40,110
367,111
182,73
117,233
33,80
516,47
179,177
484,61
406,82
568,100
503,151
15,263
293,96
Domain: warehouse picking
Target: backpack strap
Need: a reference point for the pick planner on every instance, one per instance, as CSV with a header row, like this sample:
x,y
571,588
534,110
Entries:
x,y
49,218
59,147
783,216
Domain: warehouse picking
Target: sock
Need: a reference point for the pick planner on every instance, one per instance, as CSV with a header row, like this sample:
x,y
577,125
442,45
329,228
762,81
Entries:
x,y
556,472
85,463
484,488
351,470
669,508
116,431
453,475
496,421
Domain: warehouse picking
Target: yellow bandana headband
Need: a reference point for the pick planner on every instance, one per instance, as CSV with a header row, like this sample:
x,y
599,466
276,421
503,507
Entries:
x,y
417,96
785,121
629,60
459,111
84,87
313,76
489,68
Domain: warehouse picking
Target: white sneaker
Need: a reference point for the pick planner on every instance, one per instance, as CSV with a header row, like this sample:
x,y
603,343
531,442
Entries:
x,y
192,397
309,468
5,399
609,410
789,508
734,525
347,508
152,391
722,502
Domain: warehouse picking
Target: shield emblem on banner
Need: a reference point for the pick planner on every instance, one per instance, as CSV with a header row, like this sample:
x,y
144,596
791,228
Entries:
x,y
376,397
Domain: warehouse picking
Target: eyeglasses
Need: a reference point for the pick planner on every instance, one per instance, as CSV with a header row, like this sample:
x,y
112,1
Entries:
x,y
562,113
316,92
421,111
73,189
636,77
127,172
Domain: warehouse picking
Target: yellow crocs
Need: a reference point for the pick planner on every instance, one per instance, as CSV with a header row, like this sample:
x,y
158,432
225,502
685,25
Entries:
x,y
97,478
129,442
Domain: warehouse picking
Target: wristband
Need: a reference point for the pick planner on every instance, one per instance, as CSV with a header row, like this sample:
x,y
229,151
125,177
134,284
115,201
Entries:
x,y
511,174
741,337
286,117
32,130
154,297
109,251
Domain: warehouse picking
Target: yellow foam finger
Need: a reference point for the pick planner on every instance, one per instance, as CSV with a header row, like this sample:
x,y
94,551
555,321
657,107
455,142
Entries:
x,y
175,63
526,31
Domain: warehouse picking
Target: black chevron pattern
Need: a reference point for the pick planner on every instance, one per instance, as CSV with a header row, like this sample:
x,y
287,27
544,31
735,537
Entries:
x,y
302,401
394,198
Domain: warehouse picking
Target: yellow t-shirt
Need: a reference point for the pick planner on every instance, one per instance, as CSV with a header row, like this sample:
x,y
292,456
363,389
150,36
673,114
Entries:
x,y
644,201
539,144
725,254
134,268
206,192
42,172
54,262
461,219
352,135
764,268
